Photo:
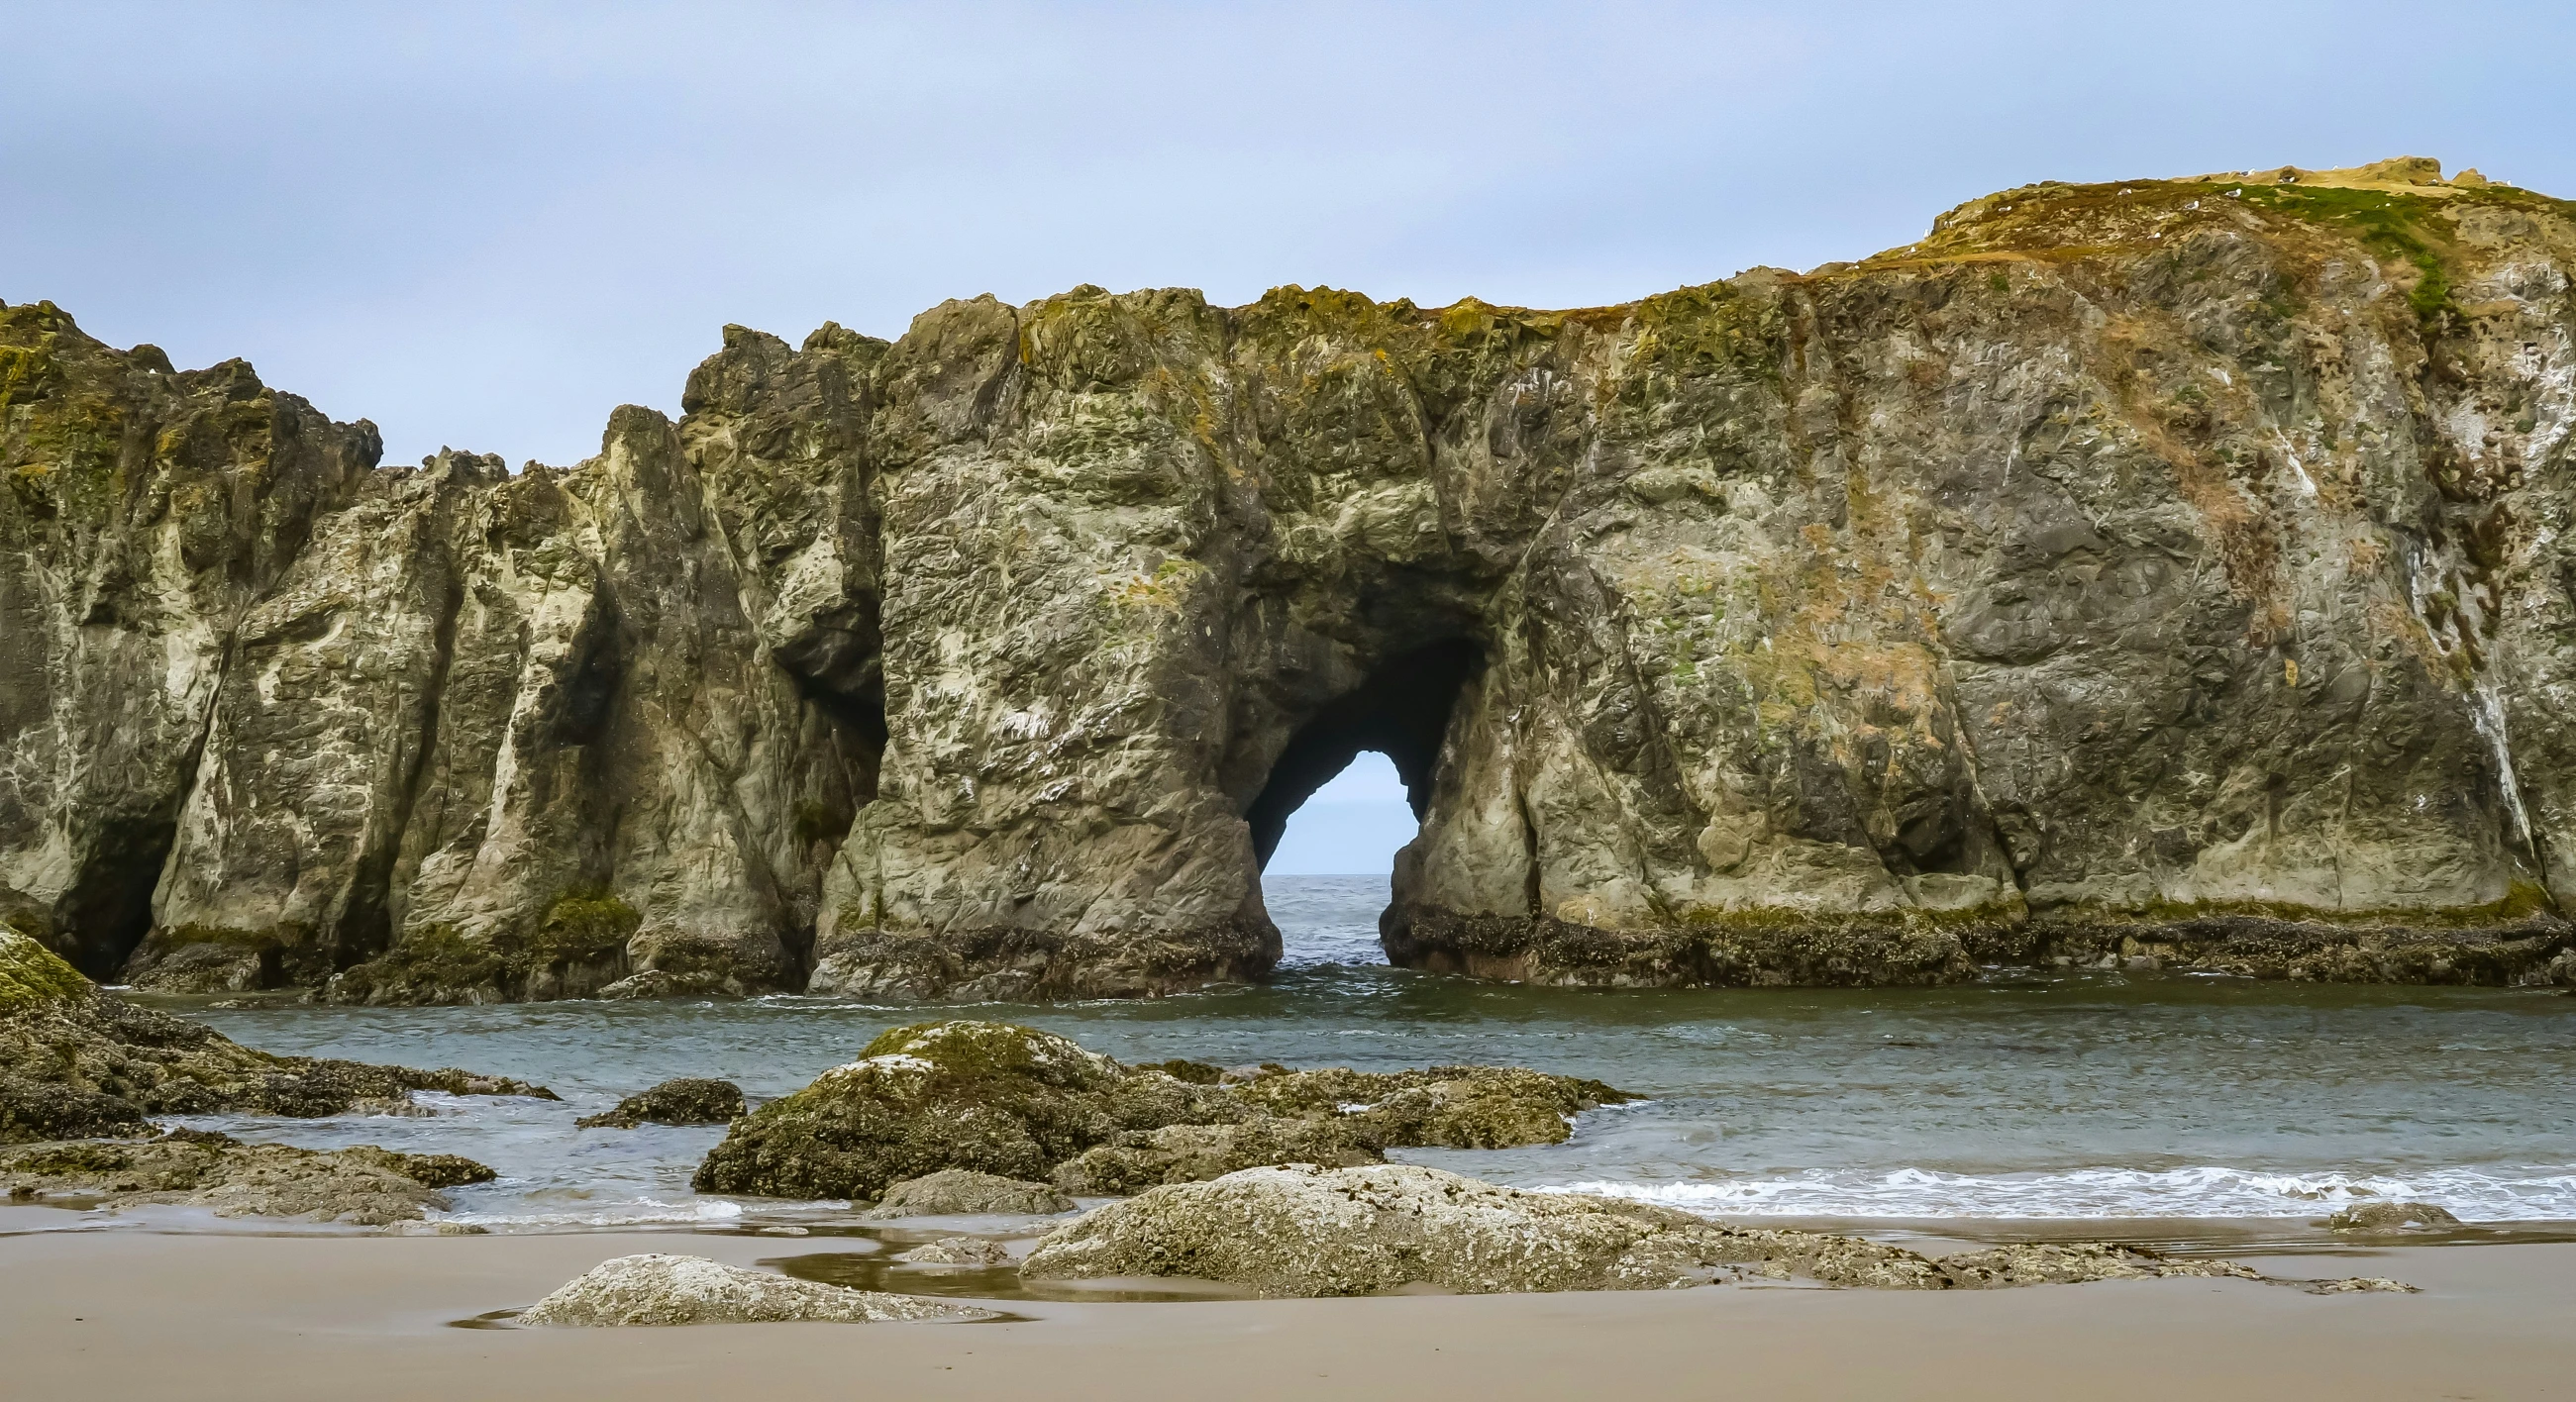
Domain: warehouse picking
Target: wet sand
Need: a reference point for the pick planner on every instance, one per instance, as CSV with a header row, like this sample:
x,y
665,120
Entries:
x,y
134,1314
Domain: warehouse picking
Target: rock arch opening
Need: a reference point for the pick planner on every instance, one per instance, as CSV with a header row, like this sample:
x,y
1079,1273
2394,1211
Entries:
x,y
1326,887
1401,711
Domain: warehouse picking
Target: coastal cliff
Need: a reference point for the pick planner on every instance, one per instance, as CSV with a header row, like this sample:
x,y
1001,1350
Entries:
x,y
2170,571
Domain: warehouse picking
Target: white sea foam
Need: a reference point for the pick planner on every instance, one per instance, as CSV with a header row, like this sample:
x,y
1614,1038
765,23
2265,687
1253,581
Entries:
x,y
633,1212
2545,1193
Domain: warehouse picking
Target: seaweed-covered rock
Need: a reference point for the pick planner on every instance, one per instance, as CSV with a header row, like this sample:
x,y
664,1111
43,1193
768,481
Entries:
x,y
2391,1217
363,1186
958,1251
1448,1107
2361,1285
1142,1159
2078,1262
32,975
688,1100
999,1099
1302,1231
78,1062
963,1192
1025,1104
657,1289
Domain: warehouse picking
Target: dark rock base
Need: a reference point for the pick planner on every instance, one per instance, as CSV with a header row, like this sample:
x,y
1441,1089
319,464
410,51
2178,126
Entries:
x,y
1932,949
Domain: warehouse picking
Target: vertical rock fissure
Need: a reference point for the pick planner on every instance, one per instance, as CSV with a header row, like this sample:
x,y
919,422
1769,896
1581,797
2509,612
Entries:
x,y
366,927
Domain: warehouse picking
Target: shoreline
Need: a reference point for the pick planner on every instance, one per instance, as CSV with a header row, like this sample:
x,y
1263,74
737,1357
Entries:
x,y
140,1312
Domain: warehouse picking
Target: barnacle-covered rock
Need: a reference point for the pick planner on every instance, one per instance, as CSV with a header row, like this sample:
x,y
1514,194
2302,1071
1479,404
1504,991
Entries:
x,y
659,1289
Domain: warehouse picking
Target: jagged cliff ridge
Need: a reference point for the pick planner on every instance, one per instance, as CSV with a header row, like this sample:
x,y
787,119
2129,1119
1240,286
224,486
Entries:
x,y
2166,570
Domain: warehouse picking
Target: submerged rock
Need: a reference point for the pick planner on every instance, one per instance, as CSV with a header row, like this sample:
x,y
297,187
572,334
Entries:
x,y
1020,1103
2391,1217
688,1100
79,1062
963,1192
1306,1231
363,1186
657,1289
958,1251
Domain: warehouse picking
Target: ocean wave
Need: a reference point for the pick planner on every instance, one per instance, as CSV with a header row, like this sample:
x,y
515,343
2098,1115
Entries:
x,y
2535,1194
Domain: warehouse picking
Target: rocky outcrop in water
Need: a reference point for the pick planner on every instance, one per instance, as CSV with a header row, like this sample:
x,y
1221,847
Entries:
x,y
2168,573
77,1062
363,1186
688,1100
1015,1103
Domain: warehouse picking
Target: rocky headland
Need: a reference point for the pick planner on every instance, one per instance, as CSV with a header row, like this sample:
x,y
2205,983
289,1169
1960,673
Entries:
x,y
2170,572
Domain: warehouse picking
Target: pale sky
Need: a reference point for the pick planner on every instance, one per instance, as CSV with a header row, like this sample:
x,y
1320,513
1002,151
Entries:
x,y
487,225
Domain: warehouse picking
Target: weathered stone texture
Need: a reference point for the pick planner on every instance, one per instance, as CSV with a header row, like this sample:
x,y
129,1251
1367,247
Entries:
x,y
2170,572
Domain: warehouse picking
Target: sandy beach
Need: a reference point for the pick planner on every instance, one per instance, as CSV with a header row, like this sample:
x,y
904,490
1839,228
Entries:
x,y
137,1314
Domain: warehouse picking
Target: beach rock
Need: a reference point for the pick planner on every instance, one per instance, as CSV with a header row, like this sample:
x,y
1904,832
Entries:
x,y
1141,1159
1024,1104
1307,1231
364,1186
77,1062
1449,1107
688,1100
2363,1285
657,1289
958,1251
963,1192
2078,1262
998,1099
2391,1217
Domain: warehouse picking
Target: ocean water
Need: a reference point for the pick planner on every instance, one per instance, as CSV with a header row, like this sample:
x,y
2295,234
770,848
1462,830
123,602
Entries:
x,y
2032,1095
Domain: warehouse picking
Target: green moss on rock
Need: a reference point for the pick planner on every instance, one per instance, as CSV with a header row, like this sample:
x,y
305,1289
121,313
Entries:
x,y
78,1066
1025,1104
31,974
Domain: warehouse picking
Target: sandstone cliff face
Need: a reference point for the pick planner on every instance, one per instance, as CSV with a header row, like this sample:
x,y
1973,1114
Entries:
x,y
2167,571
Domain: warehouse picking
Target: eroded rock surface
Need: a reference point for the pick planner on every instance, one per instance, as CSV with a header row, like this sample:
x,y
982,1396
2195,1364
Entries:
x,y
958,1251
963,1192
364,1186
2078,1262
78,1062
1301,1230
1018,1103
658,1289
2391,1217
688,1100
2156,574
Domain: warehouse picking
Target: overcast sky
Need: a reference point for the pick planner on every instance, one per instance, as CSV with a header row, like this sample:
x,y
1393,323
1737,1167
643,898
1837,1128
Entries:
x,y
487,225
